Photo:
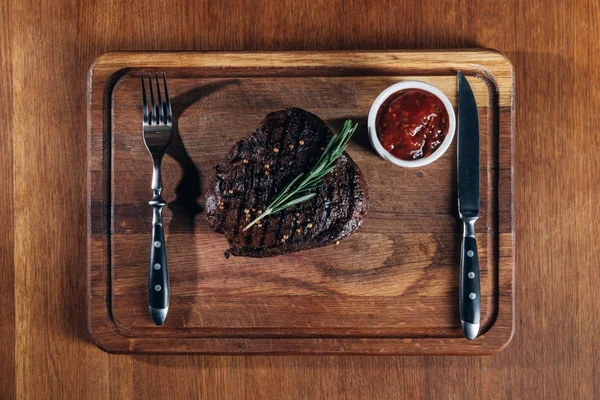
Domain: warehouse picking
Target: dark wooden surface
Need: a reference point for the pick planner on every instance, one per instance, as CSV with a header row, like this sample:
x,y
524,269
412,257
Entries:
x,y
46,49
391,288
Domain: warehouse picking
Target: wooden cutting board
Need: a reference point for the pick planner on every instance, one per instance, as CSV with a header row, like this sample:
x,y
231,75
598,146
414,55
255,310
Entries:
x,y
391,288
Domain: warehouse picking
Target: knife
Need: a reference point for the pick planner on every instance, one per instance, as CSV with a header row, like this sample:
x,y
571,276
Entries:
x,y
468,207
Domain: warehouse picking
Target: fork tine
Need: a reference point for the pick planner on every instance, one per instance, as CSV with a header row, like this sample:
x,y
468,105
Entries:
x,y
159,107
153,113
168,111
144,100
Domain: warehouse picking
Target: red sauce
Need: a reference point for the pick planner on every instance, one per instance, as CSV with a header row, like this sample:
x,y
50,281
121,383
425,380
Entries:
x,y
412,124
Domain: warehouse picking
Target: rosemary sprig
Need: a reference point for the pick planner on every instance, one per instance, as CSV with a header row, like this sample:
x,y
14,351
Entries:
x,y
299,189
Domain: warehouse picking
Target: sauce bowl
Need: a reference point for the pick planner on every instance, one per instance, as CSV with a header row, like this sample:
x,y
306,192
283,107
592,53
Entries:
x,y
372,124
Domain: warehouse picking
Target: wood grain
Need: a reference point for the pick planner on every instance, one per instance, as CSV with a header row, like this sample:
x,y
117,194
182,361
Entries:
x,y
50,45
375,284
7,296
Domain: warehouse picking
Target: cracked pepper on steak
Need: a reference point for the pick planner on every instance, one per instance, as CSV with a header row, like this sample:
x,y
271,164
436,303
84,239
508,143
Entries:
x,y
285,144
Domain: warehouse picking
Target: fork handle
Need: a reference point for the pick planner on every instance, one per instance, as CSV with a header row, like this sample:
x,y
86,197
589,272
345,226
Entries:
x,y
158,275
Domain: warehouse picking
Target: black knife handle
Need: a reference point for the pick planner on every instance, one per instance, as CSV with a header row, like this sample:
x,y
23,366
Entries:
x,y
470,292
158,275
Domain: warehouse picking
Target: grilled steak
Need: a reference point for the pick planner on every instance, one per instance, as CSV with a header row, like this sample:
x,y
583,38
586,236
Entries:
x,y
286,144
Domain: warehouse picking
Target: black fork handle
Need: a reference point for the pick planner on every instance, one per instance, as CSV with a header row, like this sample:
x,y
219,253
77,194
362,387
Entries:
x,y
158,275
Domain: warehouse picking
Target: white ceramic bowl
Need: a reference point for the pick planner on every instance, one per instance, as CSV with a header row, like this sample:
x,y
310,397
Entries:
x,y
373,128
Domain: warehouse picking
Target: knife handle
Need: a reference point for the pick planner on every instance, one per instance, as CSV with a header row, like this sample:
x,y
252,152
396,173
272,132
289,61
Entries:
x,y
158,275
470,292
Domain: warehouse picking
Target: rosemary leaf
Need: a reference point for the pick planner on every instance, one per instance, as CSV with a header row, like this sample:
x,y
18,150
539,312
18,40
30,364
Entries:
x,y
296,201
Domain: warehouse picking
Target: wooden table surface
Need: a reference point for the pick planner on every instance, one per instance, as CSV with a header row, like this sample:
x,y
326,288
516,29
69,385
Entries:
x,y
45,50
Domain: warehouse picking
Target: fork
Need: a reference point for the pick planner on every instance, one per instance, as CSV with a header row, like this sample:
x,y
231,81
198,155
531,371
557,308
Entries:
x,y
157,130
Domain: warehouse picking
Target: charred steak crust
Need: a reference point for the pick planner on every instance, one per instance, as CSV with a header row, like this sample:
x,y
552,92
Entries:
x,y
285,144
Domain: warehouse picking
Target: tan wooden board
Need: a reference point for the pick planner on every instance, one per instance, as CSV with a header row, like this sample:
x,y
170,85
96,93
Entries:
x,y
391,288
